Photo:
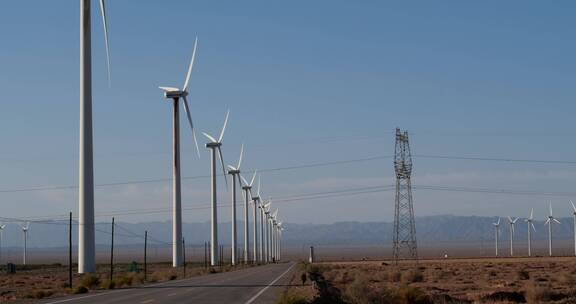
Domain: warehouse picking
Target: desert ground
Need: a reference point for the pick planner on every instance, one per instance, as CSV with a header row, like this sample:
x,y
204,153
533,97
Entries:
x,y
479,280
33,282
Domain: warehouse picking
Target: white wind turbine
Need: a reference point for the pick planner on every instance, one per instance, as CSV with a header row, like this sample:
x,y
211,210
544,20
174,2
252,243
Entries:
x,y
274,235
213,145
512,222
549,222
86,237
531,227
1,232
574,214
263,227
247,187
175,94
25,229
256,201
280,229
497,233
267,229
235,172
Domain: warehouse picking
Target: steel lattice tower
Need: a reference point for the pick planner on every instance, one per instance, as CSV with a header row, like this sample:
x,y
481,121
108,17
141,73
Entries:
x,y
404,223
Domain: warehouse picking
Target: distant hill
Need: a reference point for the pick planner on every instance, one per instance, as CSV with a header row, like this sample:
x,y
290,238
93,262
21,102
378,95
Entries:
x,y
430,230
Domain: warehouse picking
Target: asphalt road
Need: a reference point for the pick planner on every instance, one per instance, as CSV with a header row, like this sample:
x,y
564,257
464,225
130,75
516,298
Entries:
x,y
249,286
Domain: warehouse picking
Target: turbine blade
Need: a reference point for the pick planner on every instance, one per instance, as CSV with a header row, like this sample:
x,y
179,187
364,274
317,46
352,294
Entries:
x,y
557,221
498,223
573,207
223,166
510,219
212,139
243,180
241,155
550,208
189,115
533,227
547,222
532,214
259,184
253,177
231,168
185,88
105,25
224,127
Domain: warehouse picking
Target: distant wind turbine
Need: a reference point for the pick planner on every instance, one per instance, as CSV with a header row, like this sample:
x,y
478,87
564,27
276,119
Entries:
x,y
574,214
247,187
213,145
497,233
235,172
549,222
512,222
256,201
1,232
86,232
25,229
531,227
268,230
175,95
274,235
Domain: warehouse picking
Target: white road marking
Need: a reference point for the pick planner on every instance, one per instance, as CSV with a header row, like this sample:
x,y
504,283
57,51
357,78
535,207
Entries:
x,y
268,286
147,301
172,294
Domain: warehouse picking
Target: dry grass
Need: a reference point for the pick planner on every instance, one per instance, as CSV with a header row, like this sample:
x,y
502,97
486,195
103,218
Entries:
x,y
505,280
49,281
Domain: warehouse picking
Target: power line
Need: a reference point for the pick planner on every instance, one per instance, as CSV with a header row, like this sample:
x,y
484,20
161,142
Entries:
x,y
296,167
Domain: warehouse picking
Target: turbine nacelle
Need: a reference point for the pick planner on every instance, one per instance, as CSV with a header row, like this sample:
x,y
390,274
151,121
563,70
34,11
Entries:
x,y
173,93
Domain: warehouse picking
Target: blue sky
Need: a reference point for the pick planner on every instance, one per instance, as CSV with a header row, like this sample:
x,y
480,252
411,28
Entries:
x,y
305,82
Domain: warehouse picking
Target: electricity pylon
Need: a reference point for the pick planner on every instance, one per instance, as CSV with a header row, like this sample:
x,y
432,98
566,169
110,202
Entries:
x,y
404,223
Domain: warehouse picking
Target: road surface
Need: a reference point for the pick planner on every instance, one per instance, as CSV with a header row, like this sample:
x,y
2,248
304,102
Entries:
x,y
248,286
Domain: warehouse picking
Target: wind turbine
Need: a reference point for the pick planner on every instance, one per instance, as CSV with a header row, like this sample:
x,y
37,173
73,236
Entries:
x,y
1,232
213,145
175,95
235,172
247,187
267,228
86,238
25,229
274,236
256,200
497,233
280,229
574,214
530,228
549,222
263,227
512,222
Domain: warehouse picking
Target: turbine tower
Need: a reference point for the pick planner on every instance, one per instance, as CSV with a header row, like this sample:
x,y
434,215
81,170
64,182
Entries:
x,y
1,232
235,172
247,187
268,230
25,229
214,145
175,94
512,222
256,203
574,214
86,237
549,222
404,223
531,227
497,233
